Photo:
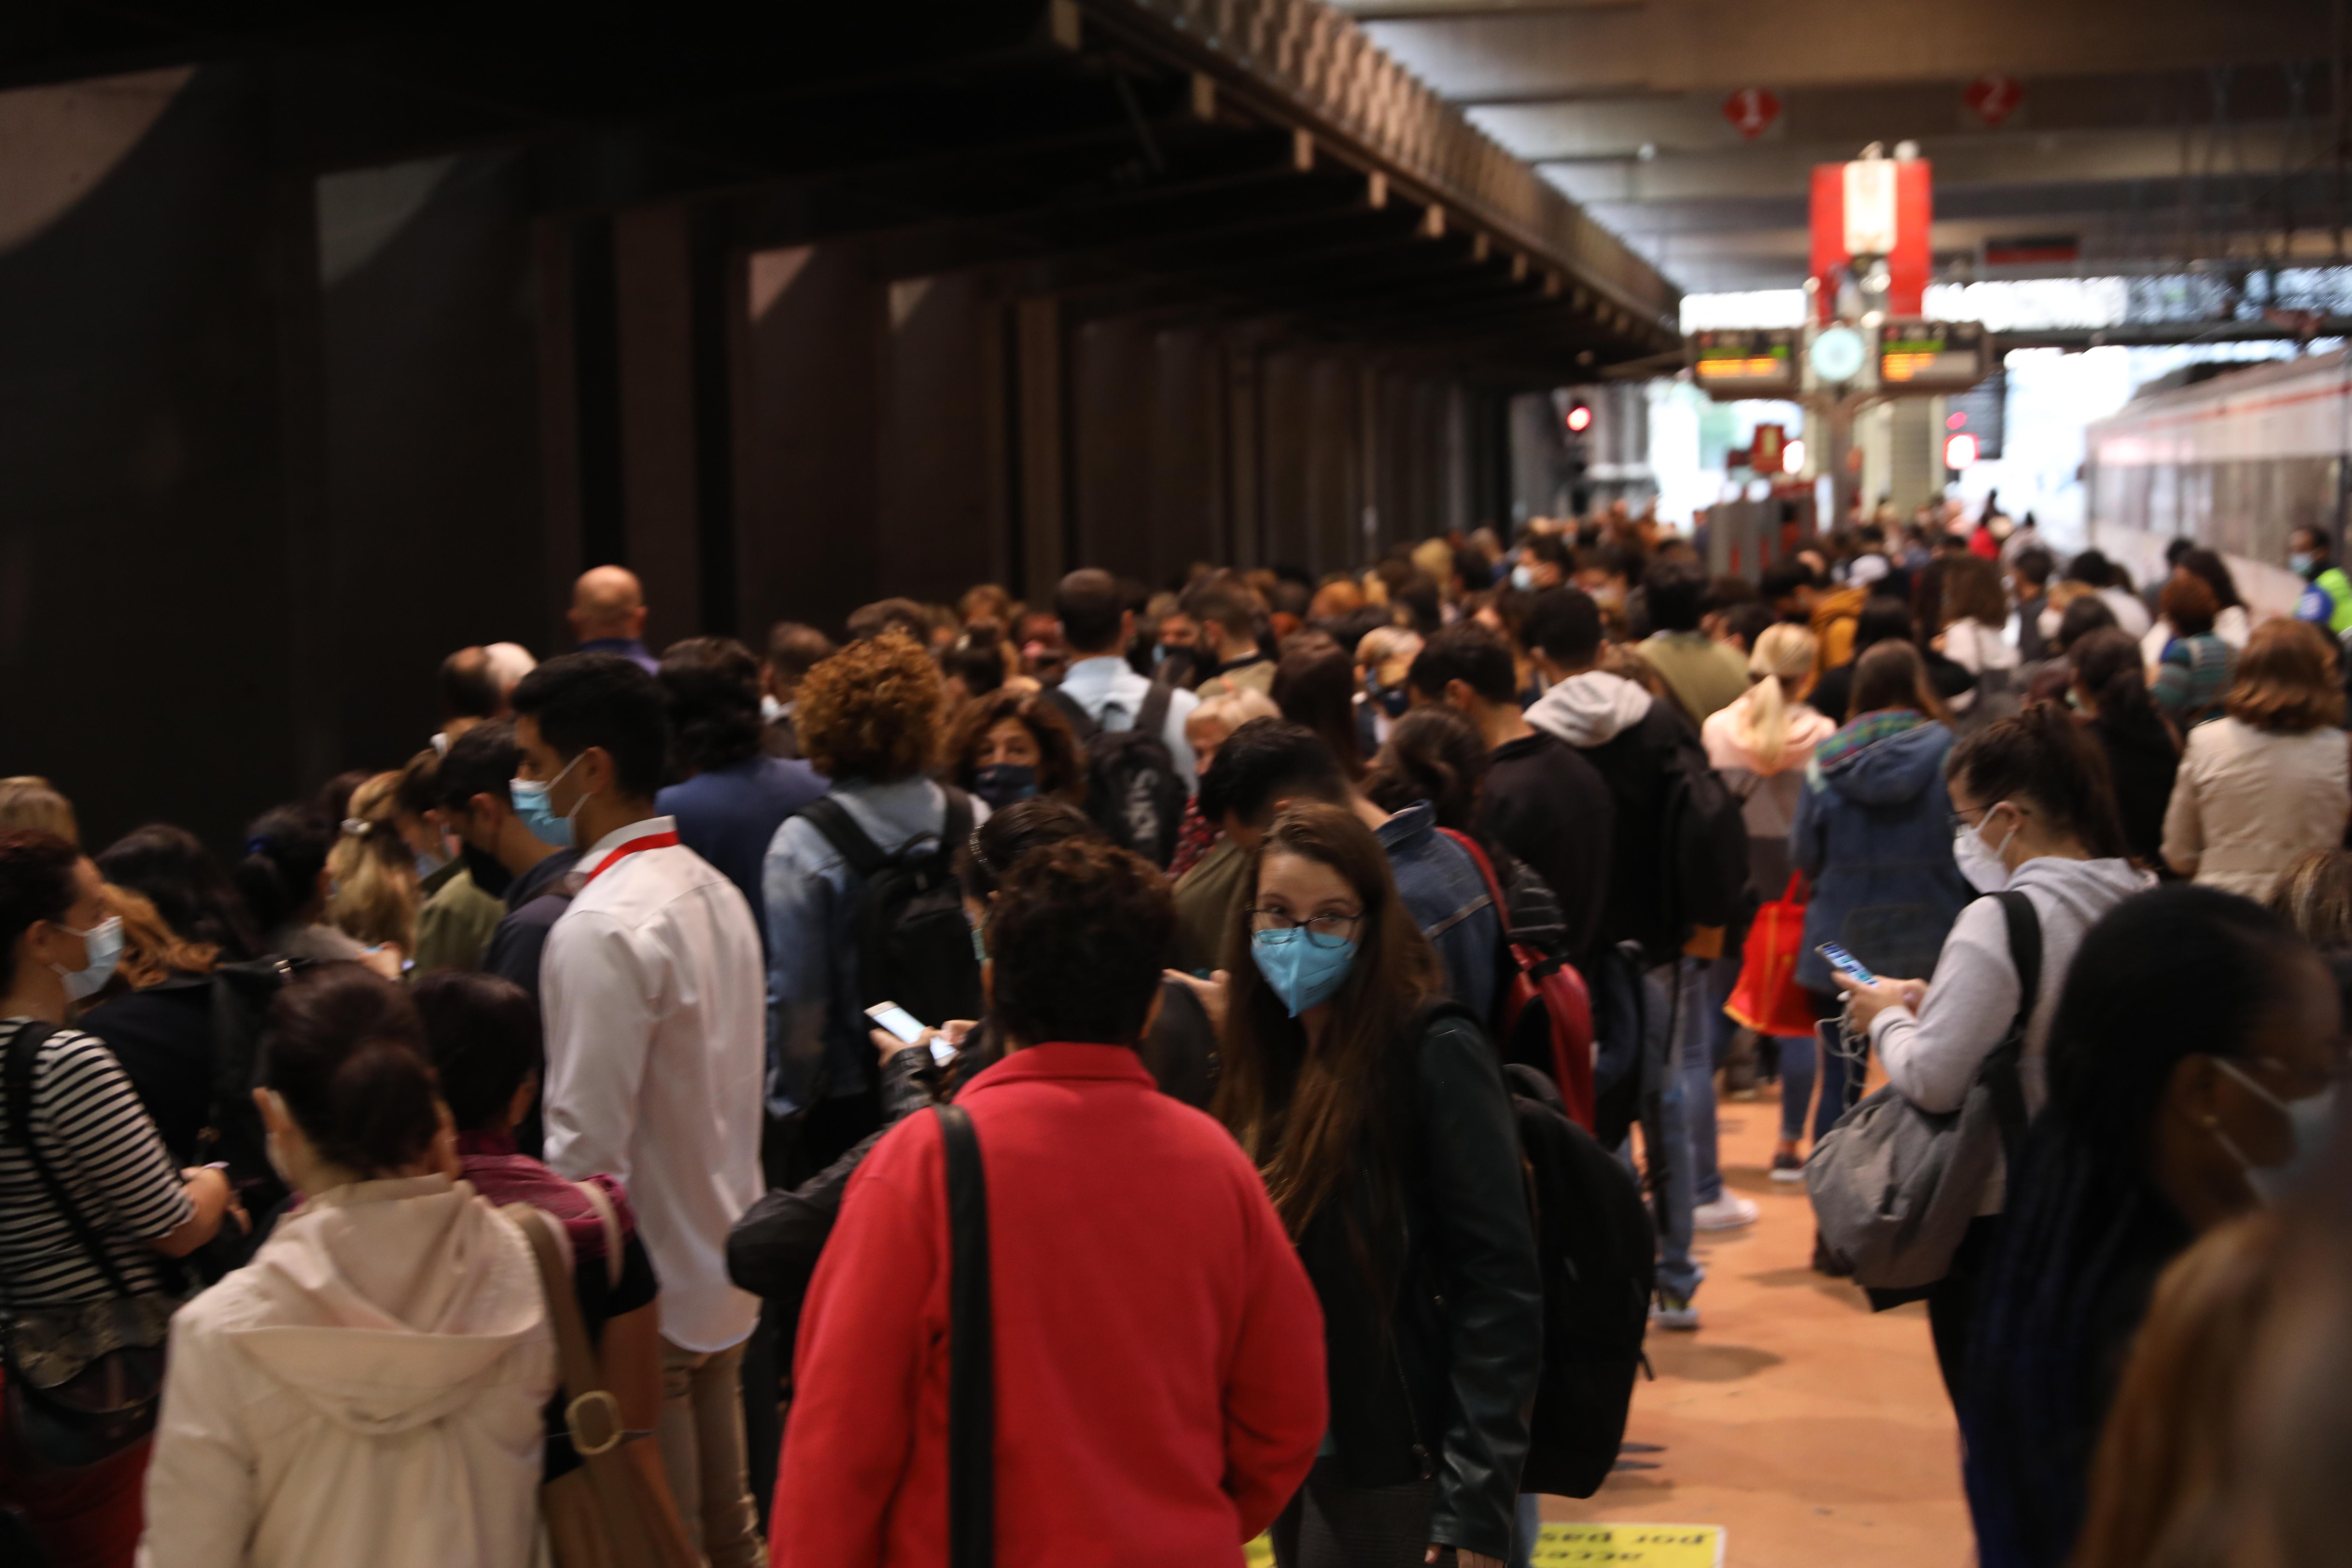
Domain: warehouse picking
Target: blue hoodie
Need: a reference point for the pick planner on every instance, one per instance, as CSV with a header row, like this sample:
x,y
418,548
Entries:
x,y
1873,833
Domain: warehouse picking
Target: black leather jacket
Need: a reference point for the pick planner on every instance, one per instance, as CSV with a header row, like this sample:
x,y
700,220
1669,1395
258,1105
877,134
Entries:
x,y
1439,1385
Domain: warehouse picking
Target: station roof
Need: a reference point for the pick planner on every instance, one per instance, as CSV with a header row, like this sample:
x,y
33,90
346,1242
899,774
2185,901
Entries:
x,y
1258,162
2139,131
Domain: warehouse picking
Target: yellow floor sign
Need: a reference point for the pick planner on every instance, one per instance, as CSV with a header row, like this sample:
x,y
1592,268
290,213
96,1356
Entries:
x,y
1617,1545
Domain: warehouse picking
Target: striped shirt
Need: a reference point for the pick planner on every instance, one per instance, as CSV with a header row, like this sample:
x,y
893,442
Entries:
x,y
105,1151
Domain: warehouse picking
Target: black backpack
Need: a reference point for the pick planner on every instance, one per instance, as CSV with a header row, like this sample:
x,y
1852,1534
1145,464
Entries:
x,y
1597,1253
1132,790
906,924
1703,835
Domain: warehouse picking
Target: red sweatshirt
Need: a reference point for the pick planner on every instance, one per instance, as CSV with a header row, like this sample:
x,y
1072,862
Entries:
x,y
1158,1350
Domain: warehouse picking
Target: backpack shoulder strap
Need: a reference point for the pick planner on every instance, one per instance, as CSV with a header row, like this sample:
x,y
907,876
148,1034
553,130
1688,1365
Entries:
x,y
955,830
1486,873
830,817
2002,1067
1081,721
1152,720
971,1350
24,1053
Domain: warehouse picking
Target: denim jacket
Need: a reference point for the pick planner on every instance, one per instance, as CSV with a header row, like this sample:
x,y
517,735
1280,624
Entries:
x,y
1448,900
810,1040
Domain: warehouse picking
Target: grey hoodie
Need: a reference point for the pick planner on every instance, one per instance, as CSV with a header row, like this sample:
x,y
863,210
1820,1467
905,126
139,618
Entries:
x,y
1933,1058
1591,709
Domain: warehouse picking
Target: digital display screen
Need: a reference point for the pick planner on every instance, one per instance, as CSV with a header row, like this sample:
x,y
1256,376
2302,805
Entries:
x,y
1931,356
1746,363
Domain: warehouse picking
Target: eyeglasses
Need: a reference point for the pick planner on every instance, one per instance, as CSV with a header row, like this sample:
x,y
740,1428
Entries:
x,y
1323,931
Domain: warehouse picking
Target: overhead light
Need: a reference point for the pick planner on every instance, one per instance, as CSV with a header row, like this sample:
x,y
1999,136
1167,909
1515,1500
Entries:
x,y
1792,457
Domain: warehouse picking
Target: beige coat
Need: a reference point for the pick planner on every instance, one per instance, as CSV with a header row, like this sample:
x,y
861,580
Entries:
x,y
2249,803
367,1392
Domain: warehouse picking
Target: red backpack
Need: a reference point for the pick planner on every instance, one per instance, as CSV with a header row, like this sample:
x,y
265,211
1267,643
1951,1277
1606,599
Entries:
x,y
1544,1016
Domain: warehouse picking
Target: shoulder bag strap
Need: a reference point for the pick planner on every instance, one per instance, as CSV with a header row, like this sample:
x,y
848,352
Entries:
x,y
613,1241
24,1052
1153,720
2002,1073
971,1350
830,817
590,1412
1082,722
1486,874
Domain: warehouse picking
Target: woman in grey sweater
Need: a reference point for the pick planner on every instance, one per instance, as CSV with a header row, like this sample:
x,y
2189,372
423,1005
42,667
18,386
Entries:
x,y
2032,810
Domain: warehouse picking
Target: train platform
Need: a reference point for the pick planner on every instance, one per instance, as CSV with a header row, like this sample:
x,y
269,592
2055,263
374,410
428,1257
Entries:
x,y
1810,1431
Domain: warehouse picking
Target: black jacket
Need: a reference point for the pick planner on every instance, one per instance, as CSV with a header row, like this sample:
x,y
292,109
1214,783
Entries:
x,y
1550,808
1433,1364
1634,764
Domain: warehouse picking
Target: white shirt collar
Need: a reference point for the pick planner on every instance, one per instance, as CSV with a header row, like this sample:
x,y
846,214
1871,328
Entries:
x,y
620,835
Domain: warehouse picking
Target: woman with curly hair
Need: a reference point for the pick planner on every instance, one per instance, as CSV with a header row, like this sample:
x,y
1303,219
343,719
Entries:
x,y
1011,746
869,720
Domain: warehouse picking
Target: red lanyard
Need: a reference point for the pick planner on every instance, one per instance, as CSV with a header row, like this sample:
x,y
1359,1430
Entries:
x,y
650,841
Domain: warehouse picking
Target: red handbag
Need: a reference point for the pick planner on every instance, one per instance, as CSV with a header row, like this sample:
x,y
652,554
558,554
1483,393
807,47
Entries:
x,y
1768,999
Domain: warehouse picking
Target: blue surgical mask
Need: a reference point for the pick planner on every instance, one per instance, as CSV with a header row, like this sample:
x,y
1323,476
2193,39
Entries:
x,y
1004,783
1523,578
2312,1119
103,943
532,809
1304,973
2299,563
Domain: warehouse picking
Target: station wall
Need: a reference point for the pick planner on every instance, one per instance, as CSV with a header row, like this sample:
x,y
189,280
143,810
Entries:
x,y
278,438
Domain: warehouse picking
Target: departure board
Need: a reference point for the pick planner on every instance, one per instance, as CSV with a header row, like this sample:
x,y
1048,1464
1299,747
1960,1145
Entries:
x,y
1930,356
1746,361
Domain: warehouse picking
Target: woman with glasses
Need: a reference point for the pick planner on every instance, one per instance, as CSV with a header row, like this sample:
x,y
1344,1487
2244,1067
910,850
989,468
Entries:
x,y
2031,811
1380,1119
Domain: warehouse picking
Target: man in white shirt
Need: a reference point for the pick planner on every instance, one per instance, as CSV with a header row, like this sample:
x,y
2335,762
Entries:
x,y
656,1007
1097,627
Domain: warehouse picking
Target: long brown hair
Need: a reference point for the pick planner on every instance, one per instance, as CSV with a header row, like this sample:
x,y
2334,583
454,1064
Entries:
x,y
1304,1114
1891,674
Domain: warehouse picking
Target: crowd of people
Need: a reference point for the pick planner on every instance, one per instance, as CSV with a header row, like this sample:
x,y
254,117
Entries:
x,y
1110,1077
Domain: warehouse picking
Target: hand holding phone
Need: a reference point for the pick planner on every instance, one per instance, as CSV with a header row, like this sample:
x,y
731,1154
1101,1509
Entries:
x,y
896,1019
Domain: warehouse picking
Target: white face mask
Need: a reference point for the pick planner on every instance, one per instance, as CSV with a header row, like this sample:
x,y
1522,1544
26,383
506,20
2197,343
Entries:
x,y
2312,1121
1979,862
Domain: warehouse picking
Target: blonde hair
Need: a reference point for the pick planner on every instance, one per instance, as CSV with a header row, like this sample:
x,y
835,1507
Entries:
x,y
373,869
1783,654
31,802
1232,709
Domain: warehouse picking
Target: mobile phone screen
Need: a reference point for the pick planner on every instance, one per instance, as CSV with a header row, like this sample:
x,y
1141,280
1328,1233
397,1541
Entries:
x,y
896,1019
1842,960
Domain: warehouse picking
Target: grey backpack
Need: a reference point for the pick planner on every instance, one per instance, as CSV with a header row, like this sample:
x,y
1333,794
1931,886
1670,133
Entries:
x,y
1894,1187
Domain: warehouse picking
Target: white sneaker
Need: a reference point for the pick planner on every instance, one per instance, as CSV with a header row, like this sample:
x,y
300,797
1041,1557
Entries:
x,y
1728,1212
1674,1312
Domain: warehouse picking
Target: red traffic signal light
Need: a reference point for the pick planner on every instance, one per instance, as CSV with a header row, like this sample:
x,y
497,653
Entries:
x,y
1580,418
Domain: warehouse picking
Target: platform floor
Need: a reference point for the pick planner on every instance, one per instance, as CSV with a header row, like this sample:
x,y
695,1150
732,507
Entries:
x,y
1814,1431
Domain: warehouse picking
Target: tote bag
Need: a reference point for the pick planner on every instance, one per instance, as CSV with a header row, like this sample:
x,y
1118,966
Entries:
x,y
1767,998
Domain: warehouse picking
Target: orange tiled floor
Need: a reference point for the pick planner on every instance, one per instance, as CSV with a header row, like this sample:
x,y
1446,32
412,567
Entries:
x,y
1816,1433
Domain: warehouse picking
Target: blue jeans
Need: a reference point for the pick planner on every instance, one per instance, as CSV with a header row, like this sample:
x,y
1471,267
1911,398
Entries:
x,y
1674,1058
1799,1055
